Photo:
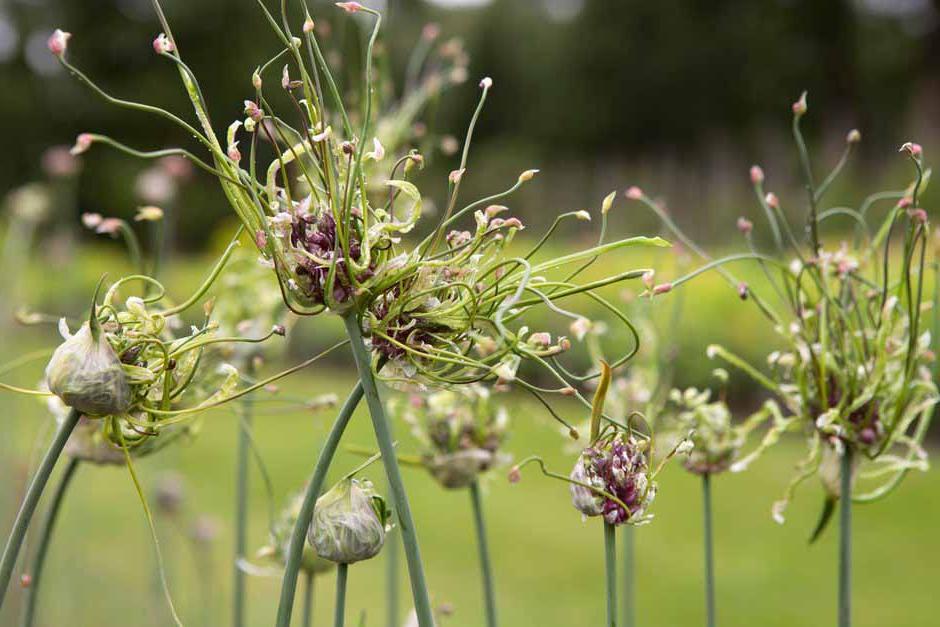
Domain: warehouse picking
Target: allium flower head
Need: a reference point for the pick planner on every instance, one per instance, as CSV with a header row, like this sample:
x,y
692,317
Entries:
x,y
349,522
617,471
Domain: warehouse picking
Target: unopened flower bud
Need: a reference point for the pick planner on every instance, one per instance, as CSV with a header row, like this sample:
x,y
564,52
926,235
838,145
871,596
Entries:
x,y
853,137
564,344
455,176
634,193
914,150
348,147
86,374
541,339
148,213
253,111
261,239
745,226
26,580
515,476
742,290
58,42
486,83
91,220
662,288
568,391
278,329
349,522
582,215
757,174
162,44
580,327
648,277
256,81
494,210
309,25
234,153
772,200
82,143
799,107
906,202
918,215
608,202
528,175
350,7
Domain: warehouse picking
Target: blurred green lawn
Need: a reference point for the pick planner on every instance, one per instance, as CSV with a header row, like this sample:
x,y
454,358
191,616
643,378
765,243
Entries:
x,y
549,564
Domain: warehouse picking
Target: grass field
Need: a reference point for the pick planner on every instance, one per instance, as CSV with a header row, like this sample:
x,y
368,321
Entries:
x,y
548,562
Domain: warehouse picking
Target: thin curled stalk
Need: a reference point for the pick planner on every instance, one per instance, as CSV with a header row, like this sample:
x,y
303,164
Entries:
x,y
45,539
299,534
28,508
486,571
422,602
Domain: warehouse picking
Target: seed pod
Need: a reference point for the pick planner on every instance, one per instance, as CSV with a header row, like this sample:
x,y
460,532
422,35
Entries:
x,y
349,522
86,374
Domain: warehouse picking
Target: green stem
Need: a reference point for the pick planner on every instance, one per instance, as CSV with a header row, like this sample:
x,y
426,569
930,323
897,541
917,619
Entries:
x,y
45,538
845,541
18,534
709,551
610,562
342,570
308,599
241,508
419,589
486,570
299,534
392,571
629,576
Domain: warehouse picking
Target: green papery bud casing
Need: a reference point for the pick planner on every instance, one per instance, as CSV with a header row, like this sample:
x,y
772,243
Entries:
x,y
87,375
348,523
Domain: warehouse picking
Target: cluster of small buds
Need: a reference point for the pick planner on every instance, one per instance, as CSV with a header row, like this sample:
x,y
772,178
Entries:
x,y
615,466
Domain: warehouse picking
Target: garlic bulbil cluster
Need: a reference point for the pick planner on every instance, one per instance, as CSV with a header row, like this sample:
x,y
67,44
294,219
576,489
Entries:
x,y
349,522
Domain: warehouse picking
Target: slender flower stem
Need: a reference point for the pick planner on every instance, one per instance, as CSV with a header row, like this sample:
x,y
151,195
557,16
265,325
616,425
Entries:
x,y
610,562
845,540
45,538
241,510
308,599
486,570
709,551
299,534
15,541
392,572
629,575
342,570
419,589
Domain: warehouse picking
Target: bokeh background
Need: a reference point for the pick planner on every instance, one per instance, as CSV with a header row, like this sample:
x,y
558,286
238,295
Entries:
x,y
679,97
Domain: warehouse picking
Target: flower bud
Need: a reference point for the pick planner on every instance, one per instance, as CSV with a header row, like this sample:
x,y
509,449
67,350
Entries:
x,y
580,327
634,193
350,7
486,83
608,202
662,288
256,81
163,45
253,111
757,174
583,215
58,42
914,150
515,476
349,522
742,290
234,153
542,339
853,137
86,374
308,25
82,143
278,329
528,175
148,213
772,200
455,176
745,226
799,107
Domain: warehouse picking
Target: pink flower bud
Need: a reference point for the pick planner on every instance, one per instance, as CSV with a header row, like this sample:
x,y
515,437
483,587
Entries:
x,y
742,290
253,111
261,239
564,344
256,81
455,176
515,476
162,44
918,215
494,210
278,329
542,339
26,580
82,143
486,83
745,226
905,202
799,107
757,174
234,153
772,200
58,42
309,25
634,193
513,223
915,150
648,278
91,220
568,391
350,7
662,288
